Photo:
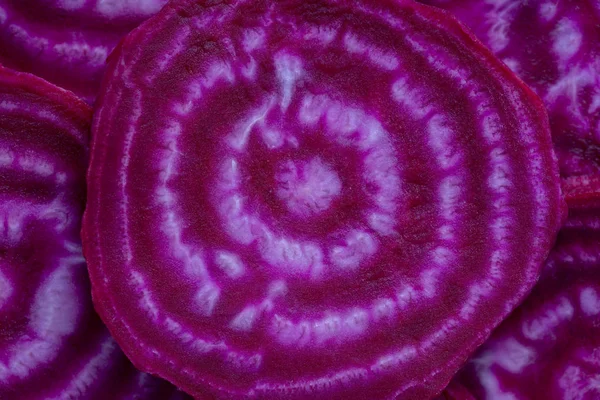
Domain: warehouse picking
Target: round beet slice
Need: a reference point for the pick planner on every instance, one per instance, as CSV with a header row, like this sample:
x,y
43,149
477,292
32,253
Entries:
x,y
554,46
313,199
549,347
67,41
52,344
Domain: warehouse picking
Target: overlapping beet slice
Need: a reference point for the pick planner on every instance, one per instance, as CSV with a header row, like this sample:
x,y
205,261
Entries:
x,y
67,41
550,347
554,46
313,199
52,344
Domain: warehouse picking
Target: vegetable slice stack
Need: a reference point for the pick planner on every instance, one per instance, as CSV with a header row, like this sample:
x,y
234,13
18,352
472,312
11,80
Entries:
x,y
67,41
554,46
313,199
550,347
52,344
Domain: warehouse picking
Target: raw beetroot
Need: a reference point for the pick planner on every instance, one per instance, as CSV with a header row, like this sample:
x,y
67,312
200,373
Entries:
x,y
313,199
52,344
550,347
67,41
554,46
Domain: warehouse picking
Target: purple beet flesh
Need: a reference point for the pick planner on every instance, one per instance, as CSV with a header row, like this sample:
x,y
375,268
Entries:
x,y
313,199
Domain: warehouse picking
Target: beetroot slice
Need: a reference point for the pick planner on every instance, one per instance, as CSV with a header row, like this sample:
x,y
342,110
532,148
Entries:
x,y
550,346
52,344
554,47
313,199
67,41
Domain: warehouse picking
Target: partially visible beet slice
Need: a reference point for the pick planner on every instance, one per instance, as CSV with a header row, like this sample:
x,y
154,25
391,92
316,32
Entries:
x,y
549,348
52,344
554,46
313,199
67,41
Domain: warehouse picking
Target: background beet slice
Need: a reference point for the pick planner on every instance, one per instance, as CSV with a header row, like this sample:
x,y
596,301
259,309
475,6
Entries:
x,y
554,46
67,41
313,199
52,344
549,347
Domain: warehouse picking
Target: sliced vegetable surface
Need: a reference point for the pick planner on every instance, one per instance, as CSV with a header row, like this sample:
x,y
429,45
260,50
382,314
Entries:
x,y
67,41
554,46
550,346
313,199
52,344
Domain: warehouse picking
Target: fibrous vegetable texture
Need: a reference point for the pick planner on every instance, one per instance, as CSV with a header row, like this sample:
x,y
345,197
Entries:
x,y
554,46
67,41
52,344
549,348
313,199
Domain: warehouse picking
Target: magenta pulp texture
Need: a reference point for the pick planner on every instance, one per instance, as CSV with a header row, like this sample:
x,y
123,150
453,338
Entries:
x,y
313,199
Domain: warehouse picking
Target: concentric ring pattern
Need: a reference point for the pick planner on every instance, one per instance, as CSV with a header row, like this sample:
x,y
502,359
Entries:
x,y
313,198
67,42
52,344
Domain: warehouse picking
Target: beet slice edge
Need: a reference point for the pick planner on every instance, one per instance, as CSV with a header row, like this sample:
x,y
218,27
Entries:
x,y
548,347
250,198
52,343
553,47
66,42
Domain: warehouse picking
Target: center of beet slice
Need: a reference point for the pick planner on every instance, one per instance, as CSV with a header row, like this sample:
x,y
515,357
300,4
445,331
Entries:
x,y
316,199
307,187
